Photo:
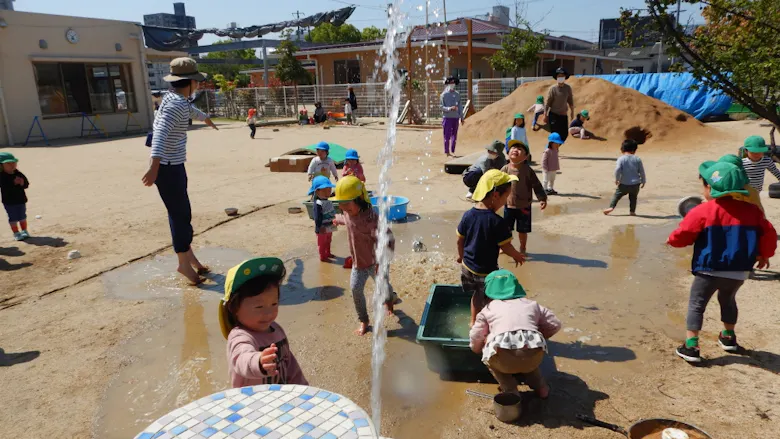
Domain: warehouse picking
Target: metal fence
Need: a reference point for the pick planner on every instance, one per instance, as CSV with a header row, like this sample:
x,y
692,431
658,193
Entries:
x,y
280,102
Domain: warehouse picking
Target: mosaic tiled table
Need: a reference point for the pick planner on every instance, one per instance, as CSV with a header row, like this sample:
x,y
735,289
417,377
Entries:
x,y
268,412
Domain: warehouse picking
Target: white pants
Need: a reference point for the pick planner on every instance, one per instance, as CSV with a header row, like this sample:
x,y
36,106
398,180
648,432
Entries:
x,y
549,179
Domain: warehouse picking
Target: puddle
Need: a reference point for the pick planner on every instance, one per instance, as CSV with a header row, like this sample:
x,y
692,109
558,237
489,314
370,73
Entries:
x,y
604,293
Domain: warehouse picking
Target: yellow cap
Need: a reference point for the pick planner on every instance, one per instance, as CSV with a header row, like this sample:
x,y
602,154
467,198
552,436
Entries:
x,y
350,188
489,181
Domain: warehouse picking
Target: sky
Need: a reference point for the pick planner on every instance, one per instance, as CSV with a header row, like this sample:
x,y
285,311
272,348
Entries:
x,y
576,18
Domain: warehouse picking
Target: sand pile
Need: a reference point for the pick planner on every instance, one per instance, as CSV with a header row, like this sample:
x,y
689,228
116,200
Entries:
x,y
616,113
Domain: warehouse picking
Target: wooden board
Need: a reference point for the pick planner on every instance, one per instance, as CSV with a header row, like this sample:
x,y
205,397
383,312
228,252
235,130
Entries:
x,y
290,163
404,112
457,166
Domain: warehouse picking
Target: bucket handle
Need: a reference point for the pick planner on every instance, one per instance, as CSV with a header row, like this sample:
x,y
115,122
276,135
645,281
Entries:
x,y
593,421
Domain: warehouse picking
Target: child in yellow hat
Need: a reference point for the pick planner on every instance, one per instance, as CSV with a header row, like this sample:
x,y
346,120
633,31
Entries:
x,y
257,348
362,223
482,233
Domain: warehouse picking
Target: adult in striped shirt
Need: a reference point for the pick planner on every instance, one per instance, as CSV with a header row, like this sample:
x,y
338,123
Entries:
x,y
169,152
758,162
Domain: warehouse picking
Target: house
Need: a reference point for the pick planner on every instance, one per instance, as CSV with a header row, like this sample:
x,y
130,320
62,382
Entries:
x,y
639,59
356,62
58,68
611,33
158,66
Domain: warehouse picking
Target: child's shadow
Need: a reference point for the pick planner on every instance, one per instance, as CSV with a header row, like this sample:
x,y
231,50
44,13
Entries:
x,y
768,361
408,329
294,292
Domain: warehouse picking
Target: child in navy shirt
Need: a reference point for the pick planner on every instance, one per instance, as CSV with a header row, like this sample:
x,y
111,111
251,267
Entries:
x,y
12,184
482,233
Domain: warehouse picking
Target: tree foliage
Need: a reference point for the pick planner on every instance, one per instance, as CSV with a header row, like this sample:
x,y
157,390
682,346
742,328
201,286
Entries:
x,y
519,50
346,33
290,70
229,71
736,51
372,33
629,20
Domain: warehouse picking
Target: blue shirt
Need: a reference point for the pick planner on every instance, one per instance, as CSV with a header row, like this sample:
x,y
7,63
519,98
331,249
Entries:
x,y
484,232
629,170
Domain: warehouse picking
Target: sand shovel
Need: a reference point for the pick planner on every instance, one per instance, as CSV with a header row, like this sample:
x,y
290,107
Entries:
x,y
649,428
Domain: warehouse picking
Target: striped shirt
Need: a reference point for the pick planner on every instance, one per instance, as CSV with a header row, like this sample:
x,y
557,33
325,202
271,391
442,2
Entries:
x,y
169,141
755,171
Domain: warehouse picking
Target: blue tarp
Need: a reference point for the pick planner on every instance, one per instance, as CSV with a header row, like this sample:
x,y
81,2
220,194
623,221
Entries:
x,y
675,90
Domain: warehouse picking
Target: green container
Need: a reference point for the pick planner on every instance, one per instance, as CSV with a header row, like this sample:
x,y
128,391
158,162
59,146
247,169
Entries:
x,y
444,331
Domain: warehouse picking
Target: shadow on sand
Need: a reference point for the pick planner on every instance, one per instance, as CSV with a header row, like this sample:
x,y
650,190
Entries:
x,y
566,260
294,292
768,361
7,359
45,241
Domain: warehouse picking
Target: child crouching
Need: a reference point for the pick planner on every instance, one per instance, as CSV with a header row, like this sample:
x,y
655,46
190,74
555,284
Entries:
x,y
257,348
511,332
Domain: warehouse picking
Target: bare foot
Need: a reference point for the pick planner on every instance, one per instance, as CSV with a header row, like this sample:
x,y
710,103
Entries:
x,y
608,211
361,331
189,273
522,250
632,213
544,391
203,270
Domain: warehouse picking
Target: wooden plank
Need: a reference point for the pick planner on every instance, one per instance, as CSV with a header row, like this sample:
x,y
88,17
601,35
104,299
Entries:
x,y
404,112
457,166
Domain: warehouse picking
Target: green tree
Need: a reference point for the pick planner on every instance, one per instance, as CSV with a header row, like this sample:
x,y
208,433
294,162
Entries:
x,y
290,70
229,71
372,33
628,23
519,50
328,33
736,51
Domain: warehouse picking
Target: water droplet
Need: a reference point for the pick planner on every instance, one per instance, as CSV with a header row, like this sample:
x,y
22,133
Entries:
x,y
419,8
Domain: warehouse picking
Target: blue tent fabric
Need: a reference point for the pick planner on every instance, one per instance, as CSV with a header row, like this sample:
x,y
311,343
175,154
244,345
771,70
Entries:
x,y
675,89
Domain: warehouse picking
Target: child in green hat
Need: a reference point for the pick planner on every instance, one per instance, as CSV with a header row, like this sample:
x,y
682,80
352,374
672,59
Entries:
x,y
537,109
511,332
758,162
12,186
729,236
518,131
577,128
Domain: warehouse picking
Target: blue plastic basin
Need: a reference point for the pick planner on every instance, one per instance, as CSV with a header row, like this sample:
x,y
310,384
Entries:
x,y
398,207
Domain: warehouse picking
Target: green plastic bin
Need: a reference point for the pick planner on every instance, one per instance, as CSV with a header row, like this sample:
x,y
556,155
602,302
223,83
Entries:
x,y
444,331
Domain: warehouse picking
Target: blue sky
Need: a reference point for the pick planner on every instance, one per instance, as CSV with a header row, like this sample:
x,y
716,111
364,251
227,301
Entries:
x,y
576,18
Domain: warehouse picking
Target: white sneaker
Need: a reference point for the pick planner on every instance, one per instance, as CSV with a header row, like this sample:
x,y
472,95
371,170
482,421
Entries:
x,y
469,194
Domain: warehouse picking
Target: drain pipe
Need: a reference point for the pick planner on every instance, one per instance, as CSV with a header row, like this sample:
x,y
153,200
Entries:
x,y
5,117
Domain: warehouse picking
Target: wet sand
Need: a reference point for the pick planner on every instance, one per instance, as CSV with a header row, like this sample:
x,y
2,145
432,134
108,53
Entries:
x,y
106,356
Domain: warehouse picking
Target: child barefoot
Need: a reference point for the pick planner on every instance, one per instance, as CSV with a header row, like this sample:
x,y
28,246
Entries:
x,y
257,348
517,212
550,162
322,164
510,333
577,128
361,222
482,233
324,213
629,177
12,185
729,237
352,165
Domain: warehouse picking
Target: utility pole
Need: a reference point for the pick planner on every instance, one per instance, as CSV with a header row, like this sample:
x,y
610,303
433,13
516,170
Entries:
x,y
297,14
446,43
425,66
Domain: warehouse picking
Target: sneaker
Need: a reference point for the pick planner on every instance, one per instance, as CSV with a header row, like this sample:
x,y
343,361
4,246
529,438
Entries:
x,y
691,355
18,236
25,235
469,194
728,344
553,192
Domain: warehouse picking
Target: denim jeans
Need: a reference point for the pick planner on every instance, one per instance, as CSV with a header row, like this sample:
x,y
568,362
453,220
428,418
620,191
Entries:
x,y
172,185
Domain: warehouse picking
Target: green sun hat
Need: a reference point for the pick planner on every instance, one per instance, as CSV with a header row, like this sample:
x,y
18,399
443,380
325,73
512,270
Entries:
x,y
7,157
585,114
733,159
723,178
756,144
238,276
519,116
503,285
540,99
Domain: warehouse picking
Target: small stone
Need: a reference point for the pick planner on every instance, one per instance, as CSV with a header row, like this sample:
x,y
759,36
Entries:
x,y
584,339
38,217
569,330
74,254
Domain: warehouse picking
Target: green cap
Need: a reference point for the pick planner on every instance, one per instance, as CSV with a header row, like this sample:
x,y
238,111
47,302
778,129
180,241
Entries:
x,y
585,114
238,276
540,99
756,144
497,146
723,178
503,285
731,158
519,116
519,144
7,157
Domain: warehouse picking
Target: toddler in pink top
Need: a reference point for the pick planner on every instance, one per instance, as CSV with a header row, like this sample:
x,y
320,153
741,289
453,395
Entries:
x,y
511,332
257,348
352,165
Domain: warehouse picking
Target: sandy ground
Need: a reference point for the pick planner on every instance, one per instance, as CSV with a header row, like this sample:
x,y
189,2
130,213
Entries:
x,y
90,355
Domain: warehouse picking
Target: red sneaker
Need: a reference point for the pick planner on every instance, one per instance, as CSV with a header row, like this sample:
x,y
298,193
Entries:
x,y
348,262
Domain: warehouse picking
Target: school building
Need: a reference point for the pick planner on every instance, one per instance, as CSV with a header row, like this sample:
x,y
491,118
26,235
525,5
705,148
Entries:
x,y
60,69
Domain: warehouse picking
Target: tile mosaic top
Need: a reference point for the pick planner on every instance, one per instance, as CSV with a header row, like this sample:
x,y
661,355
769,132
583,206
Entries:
x,y
268,412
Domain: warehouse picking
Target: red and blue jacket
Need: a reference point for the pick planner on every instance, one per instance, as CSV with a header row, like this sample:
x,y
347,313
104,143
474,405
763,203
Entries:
x,y
727,235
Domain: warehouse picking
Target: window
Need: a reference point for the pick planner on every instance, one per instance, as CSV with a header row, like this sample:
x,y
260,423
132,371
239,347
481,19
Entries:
x,y
610,34
346,72
73,88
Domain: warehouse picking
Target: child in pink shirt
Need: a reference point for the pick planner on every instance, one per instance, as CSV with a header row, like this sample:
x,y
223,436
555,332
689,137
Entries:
x,y
511,332
352,165
257,348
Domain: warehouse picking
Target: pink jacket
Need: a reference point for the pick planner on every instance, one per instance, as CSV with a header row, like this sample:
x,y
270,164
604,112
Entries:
x,y
362,229
356,170
243,355
500,316
550,162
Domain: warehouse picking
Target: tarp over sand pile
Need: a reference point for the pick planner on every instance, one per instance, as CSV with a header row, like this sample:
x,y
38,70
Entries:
x,y
616,112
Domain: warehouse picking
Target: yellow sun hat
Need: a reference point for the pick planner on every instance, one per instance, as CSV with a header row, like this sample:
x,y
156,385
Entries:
x,y
489,181
349,188
238,276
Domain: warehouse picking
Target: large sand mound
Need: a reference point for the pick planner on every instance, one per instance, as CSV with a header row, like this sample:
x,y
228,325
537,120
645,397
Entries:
x,y
616,113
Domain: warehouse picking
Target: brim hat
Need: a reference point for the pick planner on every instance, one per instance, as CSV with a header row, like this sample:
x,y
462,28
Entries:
x,y
560,70
520,116
7,157
756,144
452,80
518,143
350,188
503,285
540,99
723,178
489,181
320,182
238,276
585,114
496,146
323,146
351,154
555,138
185,68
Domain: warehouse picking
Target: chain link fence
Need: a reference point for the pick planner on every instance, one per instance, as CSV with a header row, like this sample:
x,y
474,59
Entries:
x,y
280,102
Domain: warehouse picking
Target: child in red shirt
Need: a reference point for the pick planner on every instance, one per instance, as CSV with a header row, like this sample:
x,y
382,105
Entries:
x,y
352,165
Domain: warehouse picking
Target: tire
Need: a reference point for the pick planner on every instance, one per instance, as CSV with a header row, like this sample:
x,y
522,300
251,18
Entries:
x,y
774,190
